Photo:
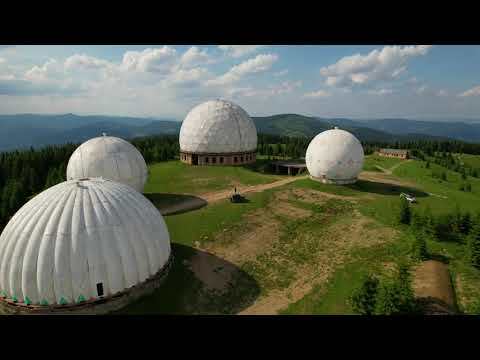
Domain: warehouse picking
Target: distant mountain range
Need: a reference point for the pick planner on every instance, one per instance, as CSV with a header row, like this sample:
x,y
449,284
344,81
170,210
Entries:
x,y
25,130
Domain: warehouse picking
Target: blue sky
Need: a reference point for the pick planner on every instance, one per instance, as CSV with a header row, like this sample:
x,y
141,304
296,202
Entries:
x,y
421,81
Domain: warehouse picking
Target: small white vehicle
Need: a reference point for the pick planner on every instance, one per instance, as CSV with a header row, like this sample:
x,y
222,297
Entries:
x,y
408,197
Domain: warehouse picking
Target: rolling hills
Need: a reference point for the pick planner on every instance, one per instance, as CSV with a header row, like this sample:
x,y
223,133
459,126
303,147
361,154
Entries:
x,y
25,130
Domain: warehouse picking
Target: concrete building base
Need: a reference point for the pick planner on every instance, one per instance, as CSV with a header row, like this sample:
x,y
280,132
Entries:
x,y
218,159
336,182
99,306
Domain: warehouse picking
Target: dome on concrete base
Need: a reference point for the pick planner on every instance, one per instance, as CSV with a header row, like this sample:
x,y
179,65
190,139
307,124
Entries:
x,y
80,241
218,127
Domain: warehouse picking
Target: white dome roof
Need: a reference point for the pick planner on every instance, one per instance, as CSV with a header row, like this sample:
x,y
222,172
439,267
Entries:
x,y
218,126
335,154
76,234
110,158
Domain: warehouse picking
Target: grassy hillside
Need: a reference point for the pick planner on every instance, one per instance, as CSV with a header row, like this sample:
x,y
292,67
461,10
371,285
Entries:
x,y
333,297
301,248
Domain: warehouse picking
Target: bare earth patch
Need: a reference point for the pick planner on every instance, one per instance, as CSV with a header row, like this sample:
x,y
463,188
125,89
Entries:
x,y
384,178
433,287
262,231
339,239
314,196
259,240
225,194
291,211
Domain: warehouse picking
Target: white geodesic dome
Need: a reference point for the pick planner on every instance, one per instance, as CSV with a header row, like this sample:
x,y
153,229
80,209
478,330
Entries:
x,y
110,158
335,155
218,126
75,235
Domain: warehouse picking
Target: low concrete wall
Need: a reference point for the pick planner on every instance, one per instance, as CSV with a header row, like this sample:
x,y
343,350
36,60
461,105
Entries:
x,y
97,307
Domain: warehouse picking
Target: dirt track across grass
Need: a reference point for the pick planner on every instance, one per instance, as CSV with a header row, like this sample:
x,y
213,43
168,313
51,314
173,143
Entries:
x,y
225,194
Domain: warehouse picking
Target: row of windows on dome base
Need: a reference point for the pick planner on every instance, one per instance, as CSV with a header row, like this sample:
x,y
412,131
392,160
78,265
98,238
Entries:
x,y
218,159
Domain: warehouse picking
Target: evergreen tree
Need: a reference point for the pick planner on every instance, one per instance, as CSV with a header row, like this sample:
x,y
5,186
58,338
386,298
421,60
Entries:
x,y
396,296
407,297
418,221
473,246
405,212
388,299
419,248
364,298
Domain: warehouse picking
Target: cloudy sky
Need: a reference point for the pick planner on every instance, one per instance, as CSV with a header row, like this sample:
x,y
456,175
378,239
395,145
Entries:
x,y
166,81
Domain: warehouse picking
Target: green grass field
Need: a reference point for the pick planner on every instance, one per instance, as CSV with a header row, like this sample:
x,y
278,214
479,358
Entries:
x,y
372,160
176,177
472,160
300,239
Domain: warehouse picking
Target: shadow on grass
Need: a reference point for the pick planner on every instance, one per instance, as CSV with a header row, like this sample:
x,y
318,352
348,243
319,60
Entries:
x,y
199,283
240,200
169,204
262,166
433,306
266,166
440,258
385,188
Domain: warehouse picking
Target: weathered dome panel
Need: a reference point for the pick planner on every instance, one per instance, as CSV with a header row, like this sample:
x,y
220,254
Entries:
x,y
335,155
218,126
68,239
110,158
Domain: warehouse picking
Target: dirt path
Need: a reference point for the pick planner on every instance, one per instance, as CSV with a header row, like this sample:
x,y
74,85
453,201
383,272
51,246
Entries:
x,y
225,194
389,171
433,287
384,178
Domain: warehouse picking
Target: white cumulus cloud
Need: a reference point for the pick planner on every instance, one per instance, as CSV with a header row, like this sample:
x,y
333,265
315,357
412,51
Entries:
x,y
385,64
194,56
239,50
51,69
149,60
475,91
257,64
82,61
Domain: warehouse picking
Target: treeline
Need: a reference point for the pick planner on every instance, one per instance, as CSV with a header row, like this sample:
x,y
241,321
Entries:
x,y
458,226
27,172
157,148
428,147
283,146
24,173
295,147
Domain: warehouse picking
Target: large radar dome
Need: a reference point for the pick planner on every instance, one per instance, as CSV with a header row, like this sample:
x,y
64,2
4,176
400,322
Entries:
x,y
335,156
218,132
110,158
82,244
